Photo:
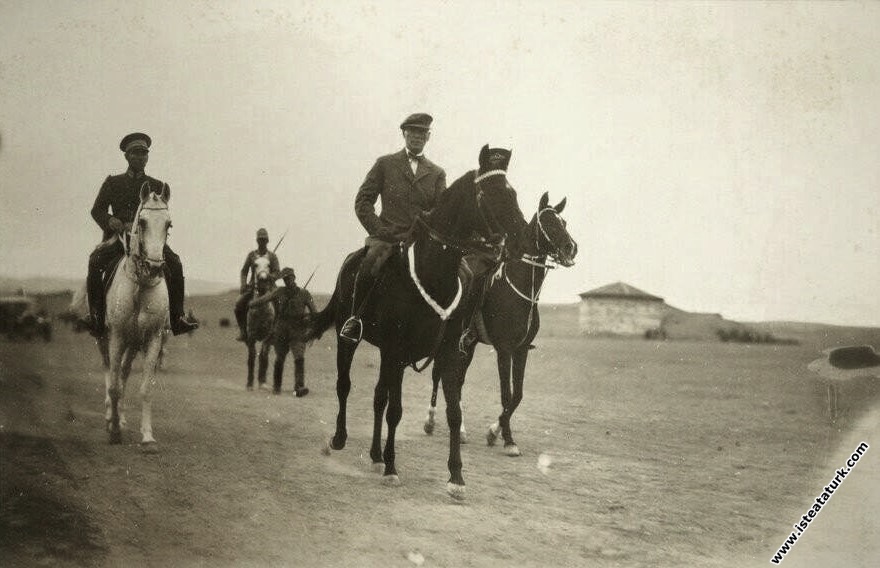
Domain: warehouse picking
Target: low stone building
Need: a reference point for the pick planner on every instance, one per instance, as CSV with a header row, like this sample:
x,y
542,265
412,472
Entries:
x,y
620,309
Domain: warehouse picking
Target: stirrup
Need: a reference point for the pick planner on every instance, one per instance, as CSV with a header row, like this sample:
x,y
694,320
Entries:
x,y
352,330
467,339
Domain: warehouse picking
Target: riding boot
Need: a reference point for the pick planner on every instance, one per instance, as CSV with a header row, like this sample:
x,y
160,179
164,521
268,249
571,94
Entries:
x,y
97,308
352,330
278,375
174,278
299,374
241,310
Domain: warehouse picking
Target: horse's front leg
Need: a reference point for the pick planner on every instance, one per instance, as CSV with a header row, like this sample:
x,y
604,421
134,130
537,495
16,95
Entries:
x,y
392,377
380,402
452,383
127,360
503,359
151,366
251,359
264,361
520,356
432,408
114,393
344,355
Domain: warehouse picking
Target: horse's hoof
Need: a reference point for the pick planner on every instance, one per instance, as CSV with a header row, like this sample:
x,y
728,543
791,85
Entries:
x,y
378,467
263,386
326,450
115,436
455,491
150,447
429,428
512,450
249,388
392,480
491,437
301,392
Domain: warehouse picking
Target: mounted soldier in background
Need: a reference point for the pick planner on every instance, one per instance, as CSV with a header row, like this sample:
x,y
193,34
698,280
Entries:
x,y
121,195
248,279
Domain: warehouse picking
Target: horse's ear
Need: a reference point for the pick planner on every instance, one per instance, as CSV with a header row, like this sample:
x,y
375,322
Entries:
x,y
145,191
545,200
484,153
166,193
561,205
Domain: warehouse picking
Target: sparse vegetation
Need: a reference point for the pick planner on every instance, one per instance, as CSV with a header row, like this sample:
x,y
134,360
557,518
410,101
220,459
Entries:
x,y
745,335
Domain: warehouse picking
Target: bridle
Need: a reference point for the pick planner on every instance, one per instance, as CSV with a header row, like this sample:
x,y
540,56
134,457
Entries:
x,y
541,261
480,247
145,268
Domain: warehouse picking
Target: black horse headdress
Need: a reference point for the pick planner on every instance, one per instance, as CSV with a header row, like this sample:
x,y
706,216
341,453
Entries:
x,y
494,158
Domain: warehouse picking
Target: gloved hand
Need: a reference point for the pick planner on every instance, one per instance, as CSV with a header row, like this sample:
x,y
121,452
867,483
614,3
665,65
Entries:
x,y
115,225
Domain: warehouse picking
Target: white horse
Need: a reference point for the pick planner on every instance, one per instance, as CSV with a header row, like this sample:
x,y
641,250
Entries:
x,y
137,311
260,324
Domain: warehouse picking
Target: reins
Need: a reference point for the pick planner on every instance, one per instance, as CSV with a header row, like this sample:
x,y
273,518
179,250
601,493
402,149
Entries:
x,y
477,247
142,266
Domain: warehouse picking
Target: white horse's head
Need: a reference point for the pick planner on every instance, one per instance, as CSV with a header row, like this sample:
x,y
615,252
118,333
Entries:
x,y
262,272
150,230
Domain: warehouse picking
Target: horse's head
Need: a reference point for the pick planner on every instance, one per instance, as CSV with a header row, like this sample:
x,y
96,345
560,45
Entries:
x,y
496,198
551,235
262,273
150,230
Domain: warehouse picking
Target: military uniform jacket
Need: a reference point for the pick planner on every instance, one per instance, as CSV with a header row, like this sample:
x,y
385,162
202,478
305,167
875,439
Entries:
x,y
121,195
291,304
404,194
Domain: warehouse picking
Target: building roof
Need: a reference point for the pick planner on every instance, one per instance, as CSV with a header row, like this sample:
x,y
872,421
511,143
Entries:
x,y
620,290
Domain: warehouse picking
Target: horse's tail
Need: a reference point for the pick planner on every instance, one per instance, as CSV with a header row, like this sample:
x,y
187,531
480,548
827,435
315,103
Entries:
x,y
323,320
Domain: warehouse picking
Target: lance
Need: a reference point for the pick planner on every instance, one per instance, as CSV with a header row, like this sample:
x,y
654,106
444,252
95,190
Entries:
x,y
310,277
278,244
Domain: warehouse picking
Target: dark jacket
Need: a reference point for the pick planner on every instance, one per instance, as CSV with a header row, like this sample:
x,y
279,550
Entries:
x,y
121,195
404,195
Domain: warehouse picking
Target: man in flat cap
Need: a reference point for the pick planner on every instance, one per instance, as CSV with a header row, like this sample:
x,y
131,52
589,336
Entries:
x,y
248,277
114,210
409,184
289,331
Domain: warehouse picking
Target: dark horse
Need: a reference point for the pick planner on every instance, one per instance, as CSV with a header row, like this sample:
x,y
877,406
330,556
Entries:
x,y
508,319
419,305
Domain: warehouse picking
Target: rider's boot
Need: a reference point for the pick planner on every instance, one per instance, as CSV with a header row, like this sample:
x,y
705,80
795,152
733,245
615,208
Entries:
x,y
353,328
174,278
97,309
299,373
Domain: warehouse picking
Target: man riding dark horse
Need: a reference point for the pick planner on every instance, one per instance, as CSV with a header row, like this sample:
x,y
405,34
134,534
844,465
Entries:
x,y
121,195
248,278
409,184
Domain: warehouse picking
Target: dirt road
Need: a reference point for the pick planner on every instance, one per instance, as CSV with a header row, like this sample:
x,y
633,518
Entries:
x,y
666,454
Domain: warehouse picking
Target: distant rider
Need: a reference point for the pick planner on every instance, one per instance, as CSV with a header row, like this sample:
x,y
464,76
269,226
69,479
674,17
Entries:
x,y
248,279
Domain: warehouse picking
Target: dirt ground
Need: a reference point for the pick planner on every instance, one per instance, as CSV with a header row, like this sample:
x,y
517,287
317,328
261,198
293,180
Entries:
x,y
660,454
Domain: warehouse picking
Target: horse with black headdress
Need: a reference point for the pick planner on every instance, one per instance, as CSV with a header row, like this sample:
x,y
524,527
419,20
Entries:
x,y
420,302
508,318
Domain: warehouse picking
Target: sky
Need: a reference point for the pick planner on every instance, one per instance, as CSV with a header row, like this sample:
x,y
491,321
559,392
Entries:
x,y
721,155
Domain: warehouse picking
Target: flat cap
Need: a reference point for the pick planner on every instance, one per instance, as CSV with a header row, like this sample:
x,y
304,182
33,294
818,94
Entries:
x,y
262,234
135,140
417,120
287,271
